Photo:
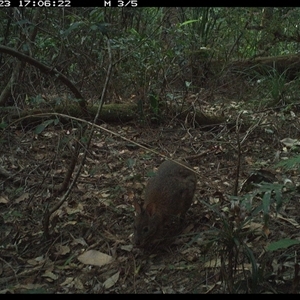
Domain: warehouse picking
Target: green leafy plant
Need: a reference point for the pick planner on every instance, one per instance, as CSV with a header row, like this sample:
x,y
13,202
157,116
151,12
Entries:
x,y
41,127
272,85
154,104
290,163
277,83
282,244
231,241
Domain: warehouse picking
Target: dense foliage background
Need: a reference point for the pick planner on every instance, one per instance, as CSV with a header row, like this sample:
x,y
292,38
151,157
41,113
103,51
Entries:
x,y
155,50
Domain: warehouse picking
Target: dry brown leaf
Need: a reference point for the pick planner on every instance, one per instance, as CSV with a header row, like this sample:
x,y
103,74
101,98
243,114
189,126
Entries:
x,y
40,156
78,284
95,258
74,210
288,142
3,199
127,248
105,195
50,276
36,261
69,223
29,286
289,220
79,241
213,263
25,196
72,282
257,228
111,281
62,250
214,200
67,281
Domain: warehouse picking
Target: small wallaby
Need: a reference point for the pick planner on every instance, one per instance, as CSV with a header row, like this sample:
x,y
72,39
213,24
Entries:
x,y
168,194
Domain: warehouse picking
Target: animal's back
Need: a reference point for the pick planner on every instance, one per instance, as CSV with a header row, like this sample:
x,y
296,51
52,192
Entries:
x,y
171,189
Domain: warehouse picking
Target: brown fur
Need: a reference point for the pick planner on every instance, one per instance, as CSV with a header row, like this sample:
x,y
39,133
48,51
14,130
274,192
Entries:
x,y
168,194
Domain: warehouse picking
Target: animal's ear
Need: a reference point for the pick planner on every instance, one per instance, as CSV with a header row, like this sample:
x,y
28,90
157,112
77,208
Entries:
x,y
137,207
151,209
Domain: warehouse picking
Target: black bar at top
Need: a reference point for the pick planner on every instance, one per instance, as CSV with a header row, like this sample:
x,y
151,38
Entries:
x,y
97,3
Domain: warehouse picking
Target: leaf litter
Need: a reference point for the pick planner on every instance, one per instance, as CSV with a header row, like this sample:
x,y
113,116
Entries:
x,y
91,248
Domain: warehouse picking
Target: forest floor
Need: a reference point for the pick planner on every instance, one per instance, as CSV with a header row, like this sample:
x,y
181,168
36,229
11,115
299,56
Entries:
x,y
223,246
